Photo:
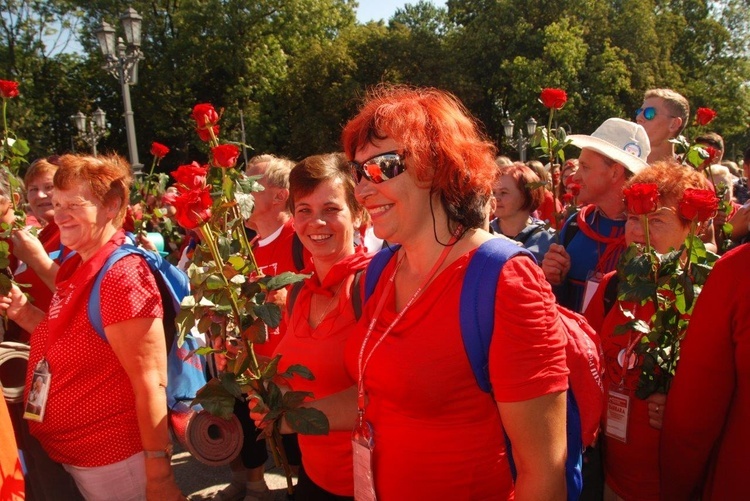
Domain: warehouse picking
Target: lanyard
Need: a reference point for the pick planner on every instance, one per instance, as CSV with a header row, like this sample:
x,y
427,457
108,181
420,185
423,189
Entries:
x,y
362,361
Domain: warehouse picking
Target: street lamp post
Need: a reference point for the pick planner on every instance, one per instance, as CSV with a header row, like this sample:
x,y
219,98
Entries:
x,y
521,142
121,61
97,127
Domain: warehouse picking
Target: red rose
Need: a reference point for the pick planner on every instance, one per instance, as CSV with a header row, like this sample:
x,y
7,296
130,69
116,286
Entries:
x,y
553,98
8,89
225,155
204,115
574,188
567,198
206,118
190,177
698,205
193,208
159,150
704,116
641,198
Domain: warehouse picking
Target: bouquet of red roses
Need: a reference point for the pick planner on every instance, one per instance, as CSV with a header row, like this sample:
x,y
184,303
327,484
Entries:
x,y
230,296
670,281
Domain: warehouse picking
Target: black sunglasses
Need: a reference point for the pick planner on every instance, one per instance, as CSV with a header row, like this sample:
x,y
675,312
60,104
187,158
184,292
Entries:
x,y
379,168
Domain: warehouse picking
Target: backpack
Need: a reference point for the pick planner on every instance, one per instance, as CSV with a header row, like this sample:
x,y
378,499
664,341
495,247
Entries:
x,y
185,376
585,395
530,231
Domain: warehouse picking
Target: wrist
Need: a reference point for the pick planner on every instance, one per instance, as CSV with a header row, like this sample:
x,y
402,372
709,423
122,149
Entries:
x,y
165,453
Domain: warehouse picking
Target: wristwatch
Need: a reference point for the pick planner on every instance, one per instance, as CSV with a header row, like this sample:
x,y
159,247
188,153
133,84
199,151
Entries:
x,y
164,453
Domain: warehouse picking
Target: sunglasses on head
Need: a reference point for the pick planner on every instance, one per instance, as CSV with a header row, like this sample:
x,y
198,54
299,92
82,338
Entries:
x,y
379,168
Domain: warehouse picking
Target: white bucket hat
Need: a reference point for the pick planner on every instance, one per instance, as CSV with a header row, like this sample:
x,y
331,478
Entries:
x,y
620,140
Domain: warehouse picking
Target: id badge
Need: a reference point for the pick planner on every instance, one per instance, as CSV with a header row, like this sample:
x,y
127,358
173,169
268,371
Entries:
x,y
36,402
593,281
618,410
362,446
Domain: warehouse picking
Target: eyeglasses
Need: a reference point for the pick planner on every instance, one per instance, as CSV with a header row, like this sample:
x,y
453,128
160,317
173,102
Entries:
x,y
649,113
378,169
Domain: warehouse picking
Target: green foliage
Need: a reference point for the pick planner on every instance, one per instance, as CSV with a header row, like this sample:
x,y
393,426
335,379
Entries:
x,y
293,71
216,399
671,283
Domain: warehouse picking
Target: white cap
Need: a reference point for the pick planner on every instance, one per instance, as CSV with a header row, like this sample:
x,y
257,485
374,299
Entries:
x,y
620,140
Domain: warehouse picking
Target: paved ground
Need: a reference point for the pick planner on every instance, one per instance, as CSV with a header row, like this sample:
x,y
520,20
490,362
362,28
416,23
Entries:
x,y
200,481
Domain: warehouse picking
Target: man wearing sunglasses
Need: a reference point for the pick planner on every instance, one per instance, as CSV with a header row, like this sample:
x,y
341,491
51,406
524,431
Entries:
x,y
664,114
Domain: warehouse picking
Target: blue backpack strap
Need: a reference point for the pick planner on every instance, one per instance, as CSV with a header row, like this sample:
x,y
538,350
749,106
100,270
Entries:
x,y
168,277
376,267
574,460
477,310
477,304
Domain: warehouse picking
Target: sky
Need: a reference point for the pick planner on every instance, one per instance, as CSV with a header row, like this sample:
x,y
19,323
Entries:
x,y
374,10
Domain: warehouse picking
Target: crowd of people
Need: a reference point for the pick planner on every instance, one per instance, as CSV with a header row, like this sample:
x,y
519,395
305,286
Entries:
x,y
386,231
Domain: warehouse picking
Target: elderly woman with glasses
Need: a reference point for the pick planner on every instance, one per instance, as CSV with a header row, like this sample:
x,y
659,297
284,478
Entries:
x,y
104,416
425,429
631,448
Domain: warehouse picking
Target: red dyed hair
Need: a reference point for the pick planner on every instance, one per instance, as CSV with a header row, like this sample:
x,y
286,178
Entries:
x,y
671,179
523,177
108,176
441,139
40,167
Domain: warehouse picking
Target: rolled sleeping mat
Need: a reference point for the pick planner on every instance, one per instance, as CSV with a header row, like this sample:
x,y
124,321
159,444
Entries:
x,y
14,359
213,440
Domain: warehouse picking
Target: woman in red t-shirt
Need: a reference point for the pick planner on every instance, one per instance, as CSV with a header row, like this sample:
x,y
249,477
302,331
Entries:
x,y
102,411
631,444
425,430
321,317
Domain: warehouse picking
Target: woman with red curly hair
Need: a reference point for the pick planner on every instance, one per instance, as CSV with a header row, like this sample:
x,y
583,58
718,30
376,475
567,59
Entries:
x,y
425,175
630,445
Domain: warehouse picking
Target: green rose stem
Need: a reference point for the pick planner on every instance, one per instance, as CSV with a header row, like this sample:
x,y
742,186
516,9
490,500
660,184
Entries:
x,y
556,214
274,439
147,186
653,272
279,456
211,242
689,246
244,243
6,144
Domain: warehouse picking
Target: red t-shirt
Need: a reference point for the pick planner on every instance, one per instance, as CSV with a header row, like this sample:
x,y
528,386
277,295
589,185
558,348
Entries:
x,y
90,419
437,434
273,258
631,469
706,433
327,458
